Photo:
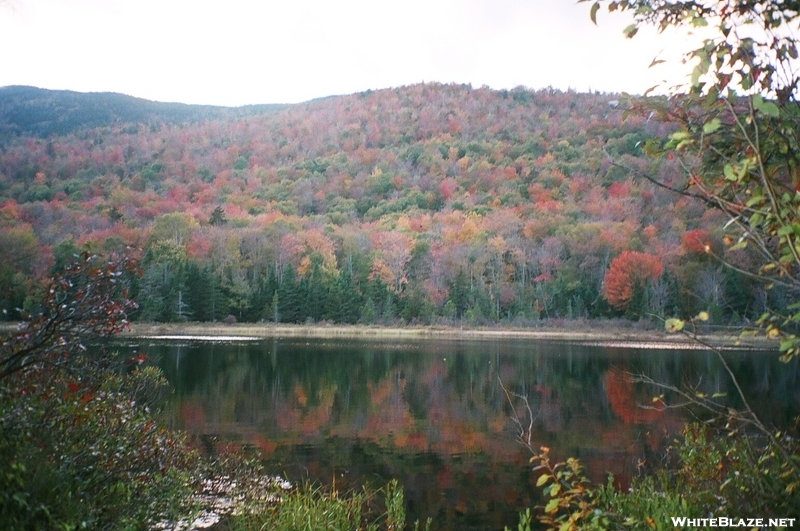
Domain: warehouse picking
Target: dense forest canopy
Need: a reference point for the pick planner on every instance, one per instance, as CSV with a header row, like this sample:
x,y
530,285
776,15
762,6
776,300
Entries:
x,y
419,203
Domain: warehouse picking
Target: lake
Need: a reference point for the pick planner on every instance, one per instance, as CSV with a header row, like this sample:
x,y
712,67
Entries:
x,y
435,413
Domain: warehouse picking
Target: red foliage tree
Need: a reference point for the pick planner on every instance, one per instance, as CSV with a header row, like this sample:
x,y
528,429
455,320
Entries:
x,y
447,188
627,271
696,241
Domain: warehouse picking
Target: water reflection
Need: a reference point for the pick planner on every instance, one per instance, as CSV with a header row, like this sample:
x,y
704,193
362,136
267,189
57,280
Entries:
x,y
434,413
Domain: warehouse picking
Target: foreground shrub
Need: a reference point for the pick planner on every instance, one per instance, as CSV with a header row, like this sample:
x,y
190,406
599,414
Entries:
x,y
80,456
710,474
81,442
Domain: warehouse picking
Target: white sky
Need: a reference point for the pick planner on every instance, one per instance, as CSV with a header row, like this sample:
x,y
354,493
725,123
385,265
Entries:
x,y
237,52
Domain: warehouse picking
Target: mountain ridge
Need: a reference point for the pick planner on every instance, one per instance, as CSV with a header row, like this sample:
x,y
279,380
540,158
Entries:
x,y
38,112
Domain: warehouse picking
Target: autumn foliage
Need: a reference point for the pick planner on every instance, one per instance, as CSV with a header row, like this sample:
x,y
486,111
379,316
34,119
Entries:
x,y
357,208
696,241
628,272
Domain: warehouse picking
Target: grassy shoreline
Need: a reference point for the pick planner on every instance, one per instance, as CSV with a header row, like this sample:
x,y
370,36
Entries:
x,y
569,332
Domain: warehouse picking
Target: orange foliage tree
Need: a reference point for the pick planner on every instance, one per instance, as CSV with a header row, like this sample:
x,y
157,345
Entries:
x,y
626,277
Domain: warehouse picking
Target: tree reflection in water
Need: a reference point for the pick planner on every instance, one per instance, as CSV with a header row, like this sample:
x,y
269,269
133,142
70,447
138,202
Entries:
x,y
434,415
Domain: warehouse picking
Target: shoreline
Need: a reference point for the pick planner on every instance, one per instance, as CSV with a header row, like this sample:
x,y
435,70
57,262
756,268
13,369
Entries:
x,y
600,333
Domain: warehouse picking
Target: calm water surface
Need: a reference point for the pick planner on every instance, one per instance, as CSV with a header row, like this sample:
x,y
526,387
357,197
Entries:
x,y
433,413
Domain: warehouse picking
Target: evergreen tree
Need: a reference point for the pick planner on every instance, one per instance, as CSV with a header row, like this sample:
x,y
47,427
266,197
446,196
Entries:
x,y
388,309
274,307
218,217
369,313
204,295
459,292
162,279
343,301
267,297
291,297
316,292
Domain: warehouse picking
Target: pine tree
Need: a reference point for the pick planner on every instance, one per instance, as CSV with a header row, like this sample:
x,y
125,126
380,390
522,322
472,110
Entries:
x,y
218,217
291,296
459,292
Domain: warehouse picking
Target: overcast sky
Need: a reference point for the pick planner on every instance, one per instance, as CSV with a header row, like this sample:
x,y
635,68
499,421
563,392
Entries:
x,y
237,52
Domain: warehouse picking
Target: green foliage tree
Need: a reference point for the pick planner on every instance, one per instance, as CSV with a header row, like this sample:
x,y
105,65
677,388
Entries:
x,y
162,287
175,226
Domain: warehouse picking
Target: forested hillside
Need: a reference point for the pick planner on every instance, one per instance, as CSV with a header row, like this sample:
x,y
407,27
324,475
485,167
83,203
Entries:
x,y
422,203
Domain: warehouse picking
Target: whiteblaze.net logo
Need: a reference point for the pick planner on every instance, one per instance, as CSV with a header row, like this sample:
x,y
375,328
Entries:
x,y
722,521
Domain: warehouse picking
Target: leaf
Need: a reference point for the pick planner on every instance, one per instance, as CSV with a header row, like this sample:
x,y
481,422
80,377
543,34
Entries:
x,y
673,325
739,245
630,31
551,506
679,135
787,344
696,73
770,109
702,316
765,107
729,174
542,480
712,126
593,12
